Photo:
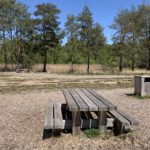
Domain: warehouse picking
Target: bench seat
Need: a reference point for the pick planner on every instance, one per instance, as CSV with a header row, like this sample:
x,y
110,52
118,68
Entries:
x,y
122,120
53,119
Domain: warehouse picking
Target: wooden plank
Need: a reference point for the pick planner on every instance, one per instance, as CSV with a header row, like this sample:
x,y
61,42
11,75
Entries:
x,y
49,121
102,121
79,101
92,115
132,120
76,122
110,122
58,121
70,101
85,124
89,123
102,99
119,117
67,124
92,106
92,119
100,105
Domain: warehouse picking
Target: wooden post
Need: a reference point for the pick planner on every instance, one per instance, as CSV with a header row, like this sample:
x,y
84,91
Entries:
x,y
102,121
47,133
76,122
118,128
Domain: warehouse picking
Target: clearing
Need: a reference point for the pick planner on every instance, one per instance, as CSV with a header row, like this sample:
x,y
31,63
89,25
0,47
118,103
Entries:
x,y
23,102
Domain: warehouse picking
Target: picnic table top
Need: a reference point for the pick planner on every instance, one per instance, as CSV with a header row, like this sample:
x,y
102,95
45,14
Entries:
x,y
86,100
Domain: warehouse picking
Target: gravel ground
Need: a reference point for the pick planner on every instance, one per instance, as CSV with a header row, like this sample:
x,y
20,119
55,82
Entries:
x,y
22,119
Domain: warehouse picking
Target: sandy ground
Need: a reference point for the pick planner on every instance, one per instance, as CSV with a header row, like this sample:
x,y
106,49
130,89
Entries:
x,y
22,119
20,82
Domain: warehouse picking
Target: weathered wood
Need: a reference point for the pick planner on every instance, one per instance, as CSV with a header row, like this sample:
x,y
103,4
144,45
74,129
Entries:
x,y
70,101
67,124
119,117
89,123
83,102
118,128
100,105
82,105
131,119
102,121
93,120
58,121
47,133
110,122
102,99
92,115
49,121
92,106
85,124
76,122
122,120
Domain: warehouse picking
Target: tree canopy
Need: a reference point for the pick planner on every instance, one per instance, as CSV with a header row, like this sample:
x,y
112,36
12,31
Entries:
x,y
27,39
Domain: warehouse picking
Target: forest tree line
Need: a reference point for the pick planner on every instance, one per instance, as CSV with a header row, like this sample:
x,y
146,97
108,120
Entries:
x,y
27,39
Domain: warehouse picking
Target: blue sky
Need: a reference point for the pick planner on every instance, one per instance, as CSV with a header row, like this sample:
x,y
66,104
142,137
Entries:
x,y
103,10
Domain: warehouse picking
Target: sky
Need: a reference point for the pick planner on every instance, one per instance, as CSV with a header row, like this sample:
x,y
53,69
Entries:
x,y
103,11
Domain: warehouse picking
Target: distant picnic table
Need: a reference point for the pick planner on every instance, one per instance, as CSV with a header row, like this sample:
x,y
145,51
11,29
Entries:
x,y
84,109
22,70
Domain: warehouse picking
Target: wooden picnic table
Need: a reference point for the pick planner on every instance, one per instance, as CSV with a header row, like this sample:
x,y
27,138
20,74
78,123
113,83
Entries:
x,y
87,100
85,109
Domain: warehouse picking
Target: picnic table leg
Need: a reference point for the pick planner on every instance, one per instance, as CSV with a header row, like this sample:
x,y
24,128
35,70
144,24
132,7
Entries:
x,y
102,121
118,128
76,122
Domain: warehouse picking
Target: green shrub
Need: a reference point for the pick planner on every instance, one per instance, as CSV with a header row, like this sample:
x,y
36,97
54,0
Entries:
x,y
91,133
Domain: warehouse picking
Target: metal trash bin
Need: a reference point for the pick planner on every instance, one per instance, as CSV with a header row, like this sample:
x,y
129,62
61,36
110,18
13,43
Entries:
x,y
142,85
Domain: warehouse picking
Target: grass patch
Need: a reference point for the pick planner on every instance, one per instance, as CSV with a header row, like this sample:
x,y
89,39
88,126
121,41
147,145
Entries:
x,y
13,87
92,133
15,84
142,97
138,96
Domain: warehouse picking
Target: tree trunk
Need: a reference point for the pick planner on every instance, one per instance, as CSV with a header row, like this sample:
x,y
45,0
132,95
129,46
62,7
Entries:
x,y
148,66
11,62
133,62
45,61
11,57
121,64
18,57
72,63
88,63
5,57
45,48
72,49
5,52
98,57
72,67
52,56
